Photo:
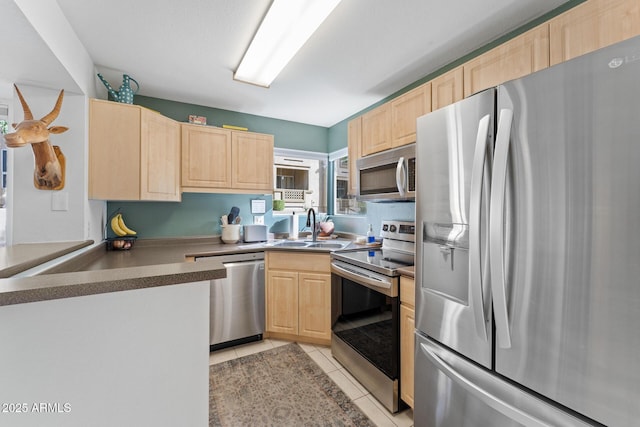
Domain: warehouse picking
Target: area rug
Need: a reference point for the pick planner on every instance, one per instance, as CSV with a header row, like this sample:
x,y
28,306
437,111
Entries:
x,y
278,387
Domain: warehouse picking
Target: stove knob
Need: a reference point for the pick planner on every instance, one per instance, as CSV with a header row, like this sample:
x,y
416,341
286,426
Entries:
x,y
385,227
393,228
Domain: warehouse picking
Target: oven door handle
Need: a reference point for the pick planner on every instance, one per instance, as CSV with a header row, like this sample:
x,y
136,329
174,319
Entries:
x,y
364,279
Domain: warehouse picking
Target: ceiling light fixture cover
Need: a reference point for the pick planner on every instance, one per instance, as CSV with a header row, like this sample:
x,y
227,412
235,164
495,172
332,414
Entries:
x,y
286,27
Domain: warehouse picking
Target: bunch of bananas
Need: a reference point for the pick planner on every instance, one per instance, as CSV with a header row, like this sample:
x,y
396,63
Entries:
x,y
119,227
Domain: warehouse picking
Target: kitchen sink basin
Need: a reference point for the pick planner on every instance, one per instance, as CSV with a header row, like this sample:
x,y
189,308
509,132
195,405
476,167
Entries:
x,y
292,244
326,245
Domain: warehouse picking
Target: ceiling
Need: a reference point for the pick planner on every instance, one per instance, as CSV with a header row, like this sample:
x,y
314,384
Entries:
x,y
366,50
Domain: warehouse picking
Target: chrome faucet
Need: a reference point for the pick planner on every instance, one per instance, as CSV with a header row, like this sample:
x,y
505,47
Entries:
x,y
314,228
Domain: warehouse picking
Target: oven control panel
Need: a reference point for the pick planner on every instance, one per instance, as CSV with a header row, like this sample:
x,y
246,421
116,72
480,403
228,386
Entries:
x,y
398,230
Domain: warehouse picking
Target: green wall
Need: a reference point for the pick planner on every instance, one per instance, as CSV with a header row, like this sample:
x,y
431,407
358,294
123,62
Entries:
x,y
197,215
286,134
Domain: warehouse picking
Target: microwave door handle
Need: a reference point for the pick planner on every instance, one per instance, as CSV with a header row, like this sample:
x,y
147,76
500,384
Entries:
x,y
400,177
476,277
496,229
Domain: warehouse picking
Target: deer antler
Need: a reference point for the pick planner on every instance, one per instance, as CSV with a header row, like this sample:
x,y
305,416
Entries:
x,y
27,112
56,110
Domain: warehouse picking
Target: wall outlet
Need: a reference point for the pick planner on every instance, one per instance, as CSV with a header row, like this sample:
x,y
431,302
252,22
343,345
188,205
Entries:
x,y
59,201
258,219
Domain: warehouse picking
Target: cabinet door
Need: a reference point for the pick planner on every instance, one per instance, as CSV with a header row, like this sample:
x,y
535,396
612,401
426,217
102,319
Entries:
x,y
447,89
159,157
314,301
592,25
376,130
282,302
407,347
252,159
206,157
354,138
407,291
405,109
114,151
522,55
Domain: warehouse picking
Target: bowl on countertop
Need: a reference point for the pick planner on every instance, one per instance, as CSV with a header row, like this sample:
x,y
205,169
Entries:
x,y
120,243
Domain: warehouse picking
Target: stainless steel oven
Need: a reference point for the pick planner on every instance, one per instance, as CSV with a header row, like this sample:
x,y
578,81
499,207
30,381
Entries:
x,y
365,304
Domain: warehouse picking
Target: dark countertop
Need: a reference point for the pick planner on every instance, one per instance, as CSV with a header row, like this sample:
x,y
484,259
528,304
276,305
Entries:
x,y
152,262
18,258
148,264
66,285
407,271
149,252
162,251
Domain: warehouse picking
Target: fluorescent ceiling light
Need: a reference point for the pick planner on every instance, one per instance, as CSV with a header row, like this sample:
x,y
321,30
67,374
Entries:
x,y
286,27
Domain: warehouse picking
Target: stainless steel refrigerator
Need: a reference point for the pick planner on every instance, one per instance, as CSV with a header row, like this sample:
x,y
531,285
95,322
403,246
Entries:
x,y
528,250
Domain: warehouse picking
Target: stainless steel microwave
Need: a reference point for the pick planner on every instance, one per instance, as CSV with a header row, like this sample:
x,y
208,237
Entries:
x,y
388,175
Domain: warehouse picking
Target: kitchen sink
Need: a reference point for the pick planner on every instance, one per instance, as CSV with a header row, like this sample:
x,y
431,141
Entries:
x,y
329,246
292,244
326,245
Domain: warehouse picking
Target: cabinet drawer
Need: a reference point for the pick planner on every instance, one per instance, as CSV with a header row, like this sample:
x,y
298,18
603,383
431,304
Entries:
x,y
298,261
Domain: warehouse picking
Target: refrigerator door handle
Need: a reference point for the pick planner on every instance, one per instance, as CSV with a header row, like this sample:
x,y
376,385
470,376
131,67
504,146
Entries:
x,y
400,177
476,282
497,394
496,229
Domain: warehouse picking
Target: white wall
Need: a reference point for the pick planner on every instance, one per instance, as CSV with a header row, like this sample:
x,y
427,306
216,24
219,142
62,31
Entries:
x,y
133,358
30,217
49,22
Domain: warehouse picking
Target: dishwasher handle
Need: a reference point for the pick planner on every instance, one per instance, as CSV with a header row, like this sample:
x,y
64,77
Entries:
x,y
241,263
229,258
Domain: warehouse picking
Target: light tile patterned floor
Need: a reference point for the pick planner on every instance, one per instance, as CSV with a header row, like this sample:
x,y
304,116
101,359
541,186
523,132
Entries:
x,y
349,385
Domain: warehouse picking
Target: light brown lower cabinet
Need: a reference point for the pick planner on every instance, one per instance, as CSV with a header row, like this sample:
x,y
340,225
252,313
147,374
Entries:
x,y
407,339
298,296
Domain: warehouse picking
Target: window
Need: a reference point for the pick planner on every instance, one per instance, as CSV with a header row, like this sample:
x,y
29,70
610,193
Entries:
x,y
300,179
343,202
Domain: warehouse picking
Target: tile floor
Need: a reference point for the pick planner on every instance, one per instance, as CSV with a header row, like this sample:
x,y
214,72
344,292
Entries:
x,y
349,385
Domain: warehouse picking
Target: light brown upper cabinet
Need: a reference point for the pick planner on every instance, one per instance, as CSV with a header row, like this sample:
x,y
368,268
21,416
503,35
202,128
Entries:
x,y
134,153
252,159
522,55
218,160
592,25
405,109
206,151
447,88
354,146
376,130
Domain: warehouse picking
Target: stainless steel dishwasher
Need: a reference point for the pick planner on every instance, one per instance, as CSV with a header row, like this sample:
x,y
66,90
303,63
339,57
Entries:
x,y
237,301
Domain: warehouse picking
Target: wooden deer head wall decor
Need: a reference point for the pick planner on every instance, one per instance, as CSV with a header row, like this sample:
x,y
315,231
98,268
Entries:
x,y
49,160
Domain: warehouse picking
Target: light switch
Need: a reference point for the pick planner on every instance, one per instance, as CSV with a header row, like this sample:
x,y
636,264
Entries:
x,y
59,201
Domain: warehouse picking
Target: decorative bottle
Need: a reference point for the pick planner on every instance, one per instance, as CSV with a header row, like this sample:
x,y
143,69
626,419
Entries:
x,y
370,237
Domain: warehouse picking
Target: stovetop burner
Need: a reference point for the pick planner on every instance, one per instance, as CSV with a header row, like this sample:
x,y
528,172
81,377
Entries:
x,y
376,259
398,250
